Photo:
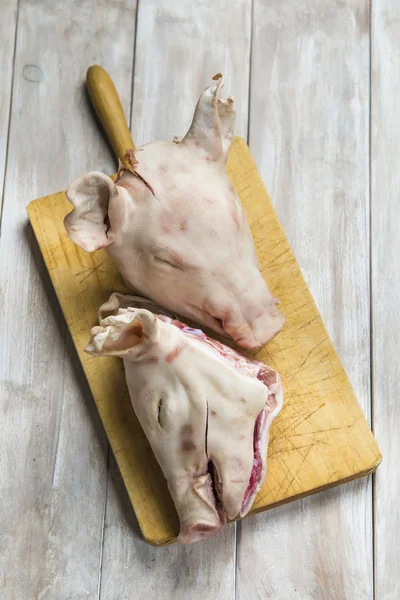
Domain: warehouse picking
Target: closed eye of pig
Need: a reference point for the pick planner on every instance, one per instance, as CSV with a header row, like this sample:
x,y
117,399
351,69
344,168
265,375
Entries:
x,y
160,411
205,409
165,257
163,261
177,231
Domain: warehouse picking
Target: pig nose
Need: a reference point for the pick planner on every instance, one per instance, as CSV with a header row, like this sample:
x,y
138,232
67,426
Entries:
x,y
257,332
242,335
267,325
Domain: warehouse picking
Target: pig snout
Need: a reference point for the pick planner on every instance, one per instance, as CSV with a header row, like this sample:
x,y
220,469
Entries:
x,y
251,319
257,332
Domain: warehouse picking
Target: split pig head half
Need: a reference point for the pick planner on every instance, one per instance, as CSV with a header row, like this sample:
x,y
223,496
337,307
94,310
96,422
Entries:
x,y
177,231
205,409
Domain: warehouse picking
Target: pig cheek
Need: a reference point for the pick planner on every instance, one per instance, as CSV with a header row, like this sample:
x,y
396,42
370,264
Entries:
x,y
213,233
187,430
237,463
235,216
167,223
188,446
152,360
187,443
171,356
147,410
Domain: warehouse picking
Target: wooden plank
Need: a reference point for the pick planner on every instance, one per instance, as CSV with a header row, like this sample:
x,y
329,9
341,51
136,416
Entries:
x,y
385,220
7,36
133,569
179,47
309,132
52,446
321,437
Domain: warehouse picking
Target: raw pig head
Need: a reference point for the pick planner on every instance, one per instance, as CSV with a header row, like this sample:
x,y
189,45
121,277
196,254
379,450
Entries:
x,y
177,231
205,409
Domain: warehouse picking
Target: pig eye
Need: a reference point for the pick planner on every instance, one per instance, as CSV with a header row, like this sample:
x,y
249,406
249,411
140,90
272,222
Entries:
x,y
163,262
161,412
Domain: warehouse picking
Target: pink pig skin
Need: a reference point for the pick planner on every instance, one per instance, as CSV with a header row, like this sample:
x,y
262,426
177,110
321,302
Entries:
x,y
205,409
178,232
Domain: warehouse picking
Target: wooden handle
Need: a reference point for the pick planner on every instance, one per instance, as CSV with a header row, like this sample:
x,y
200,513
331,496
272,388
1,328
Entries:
x,y
109,109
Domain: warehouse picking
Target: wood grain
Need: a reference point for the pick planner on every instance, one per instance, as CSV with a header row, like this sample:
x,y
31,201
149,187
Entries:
x,y
52,446
7,36
133,569
385,183
321,437
309,134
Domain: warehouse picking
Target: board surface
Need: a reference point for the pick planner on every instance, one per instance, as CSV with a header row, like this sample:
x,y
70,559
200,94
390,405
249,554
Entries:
x,y
320,439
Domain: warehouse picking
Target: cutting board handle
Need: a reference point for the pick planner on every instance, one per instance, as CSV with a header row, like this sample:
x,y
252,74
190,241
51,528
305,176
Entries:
x,y
108,107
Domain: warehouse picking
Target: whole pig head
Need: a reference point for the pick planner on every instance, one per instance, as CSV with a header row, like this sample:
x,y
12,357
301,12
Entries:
x,y
205,409
177,231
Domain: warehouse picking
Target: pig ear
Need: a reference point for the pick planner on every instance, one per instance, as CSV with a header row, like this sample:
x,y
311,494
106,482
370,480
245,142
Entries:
x,y
88,225
213,121
119,302
115,304
127,334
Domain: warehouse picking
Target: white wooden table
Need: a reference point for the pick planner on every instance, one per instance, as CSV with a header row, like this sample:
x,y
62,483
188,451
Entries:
x,y
317,87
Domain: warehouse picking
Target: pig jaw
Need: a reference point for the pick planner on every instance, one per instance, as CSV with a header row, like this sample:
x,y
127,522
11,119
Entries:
x,y
203,520
242,504
201,529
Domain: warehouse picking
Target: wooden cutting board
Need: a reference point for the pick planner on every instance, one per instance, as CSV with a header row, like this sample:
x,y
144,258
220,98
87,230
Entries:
x,y
320,439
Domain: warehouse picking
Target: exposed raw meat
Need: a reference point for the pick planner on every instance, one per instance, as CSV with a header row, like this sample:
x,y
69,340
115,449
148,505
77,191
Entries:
x,y
177,231
205,408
